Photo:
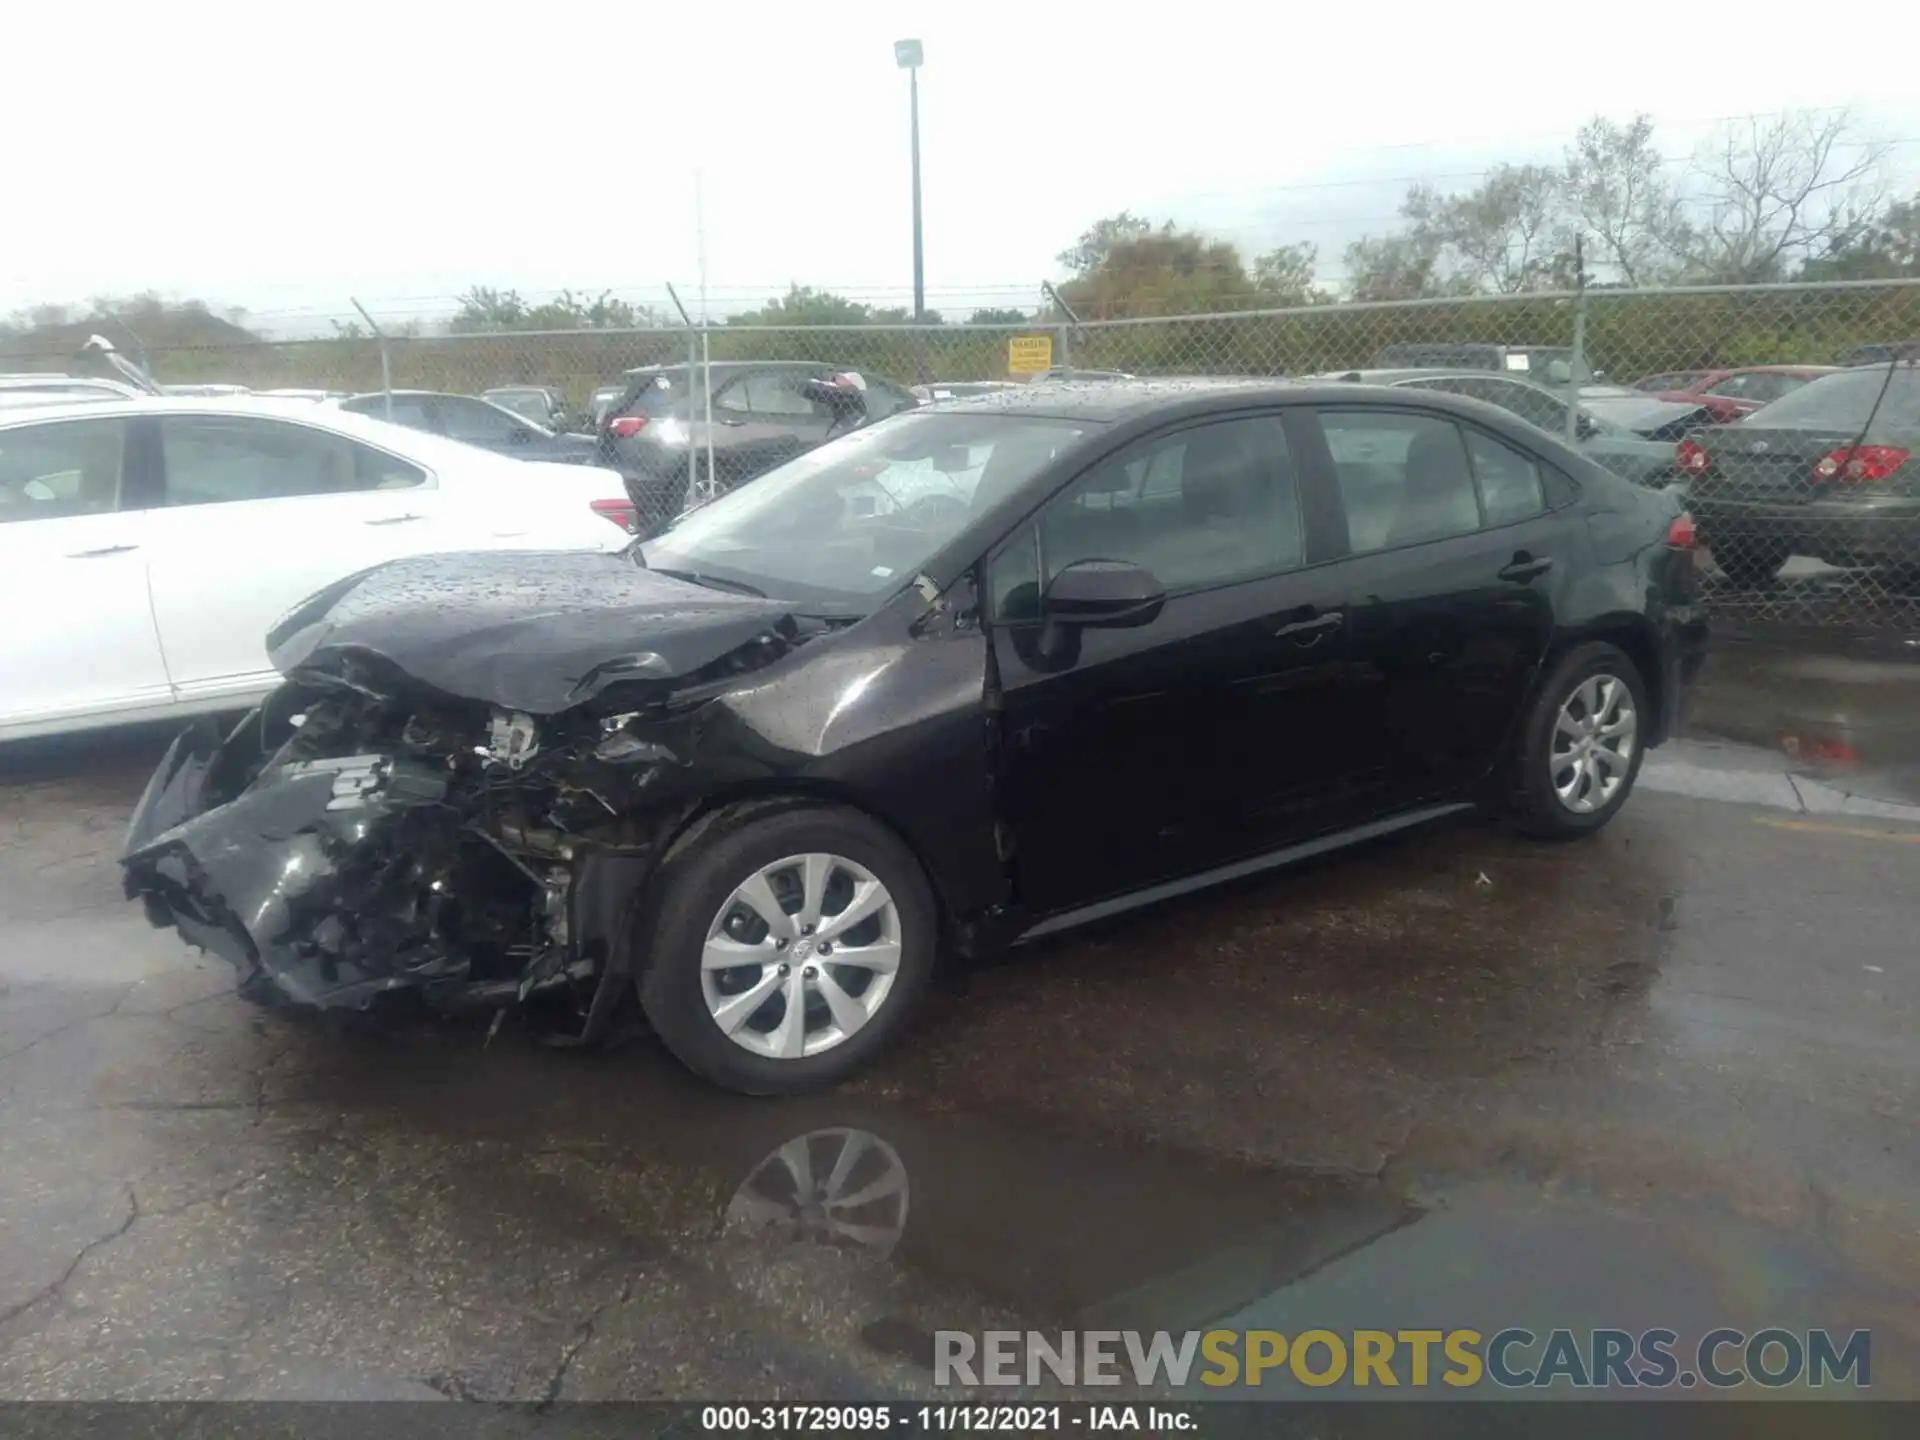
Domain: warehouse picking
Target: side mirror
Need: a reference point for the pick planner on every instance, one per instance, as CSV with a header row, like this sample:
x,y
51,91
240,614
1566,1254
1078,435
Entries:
x,y
1112,594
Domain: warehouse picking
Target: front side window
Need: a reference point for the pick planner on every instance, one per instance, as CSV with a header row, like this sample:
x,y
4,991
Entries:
x,y
1202,507
1404,478
857,518
214,459
65,468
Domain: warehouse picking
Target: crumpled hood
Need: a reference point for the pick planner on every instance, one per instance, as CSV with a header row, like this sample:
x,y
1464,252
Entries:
x,y
538,631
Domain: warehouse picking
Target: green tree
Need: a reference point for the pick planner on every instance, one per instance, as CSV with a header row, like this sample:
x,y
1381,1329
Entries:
x,y
1148,271
1284,276
1003,315
1887,249
804,305
1097,241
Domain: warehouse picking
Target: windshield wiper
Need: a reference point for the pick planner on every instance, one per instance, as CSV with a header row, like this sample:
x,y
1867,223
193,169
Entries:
x,y
711,582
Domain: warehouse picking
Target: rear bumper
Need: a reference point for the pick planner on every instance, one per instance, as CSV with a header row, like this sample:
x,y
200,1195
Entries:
x,y
1868,529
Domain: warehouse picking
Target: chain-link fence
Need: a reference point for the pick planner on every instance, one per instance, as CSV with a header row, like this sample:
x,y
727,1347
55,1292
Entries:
x,y
1800,471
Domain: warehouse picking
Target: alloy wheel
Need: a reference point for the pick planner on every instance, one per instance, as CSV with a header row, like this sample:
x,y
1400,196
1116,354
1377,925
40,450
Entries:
x,y
801,956
1593,744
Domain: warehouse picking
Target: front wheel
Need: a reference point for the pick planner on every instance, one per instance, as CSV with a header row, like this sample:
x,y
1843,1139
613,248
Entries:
x,y
787,949
1581,746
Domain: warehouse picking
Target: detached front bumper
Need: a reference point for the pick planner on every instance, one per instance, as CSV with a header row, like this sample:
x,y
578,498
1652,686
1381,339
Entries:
x,y
302,879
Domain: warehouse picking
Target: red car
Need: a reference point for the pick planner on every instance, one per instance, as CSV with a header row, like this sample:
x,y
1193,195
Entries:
x,y
1730,394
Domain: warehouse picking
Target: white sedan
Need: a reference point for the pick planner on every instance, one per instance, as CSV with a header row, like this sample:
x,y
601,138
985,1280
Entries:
x,y
147,545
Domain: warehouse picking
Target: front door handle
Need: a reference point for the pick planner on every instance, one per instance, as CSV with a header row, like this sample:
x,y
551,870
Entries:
x,y
103,550
1524,567
395,519
1308,631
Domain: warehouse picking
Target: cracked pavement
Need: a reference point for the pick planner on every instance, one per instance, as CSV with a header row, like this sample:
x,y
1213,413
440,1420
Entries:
x,y
1666,1077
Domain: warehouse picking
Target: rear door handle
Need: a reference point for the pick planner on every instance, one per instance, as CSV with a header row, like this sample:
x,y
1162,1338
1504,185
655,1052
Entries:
x,y
1309,631
1524,568
395,519
103,550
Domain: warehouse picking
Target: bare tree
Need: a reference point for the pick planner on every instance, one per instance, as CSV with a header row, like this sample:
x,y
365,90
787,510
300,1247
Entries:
x,y
1497,236
1616,195
1776,190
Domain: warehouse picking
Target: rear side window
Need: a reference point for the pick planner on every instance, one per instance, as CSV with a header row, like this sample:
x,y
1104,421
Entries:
x,y
1404,478
216,459
407,410
1509,481
71,467
767,392
478,422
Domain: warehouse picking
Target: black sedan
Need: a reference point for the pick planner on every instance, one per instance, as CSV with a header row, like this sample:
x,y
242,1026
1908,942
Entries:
x,y
968,676
1827,472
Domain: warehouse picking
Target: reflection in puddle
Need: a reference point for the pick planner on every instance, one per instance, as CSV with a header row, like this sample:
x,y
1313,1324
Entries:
x,y
842,1188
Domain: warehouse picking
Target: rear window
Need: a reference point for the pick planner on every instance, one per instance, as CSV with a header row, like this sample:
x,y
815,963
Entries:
x,y
653,394
1843,402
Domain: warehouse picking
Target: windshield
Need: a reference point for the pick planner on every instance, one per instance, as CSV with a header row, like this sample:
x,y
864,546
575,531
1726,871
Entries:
x,y
1843,402
857,518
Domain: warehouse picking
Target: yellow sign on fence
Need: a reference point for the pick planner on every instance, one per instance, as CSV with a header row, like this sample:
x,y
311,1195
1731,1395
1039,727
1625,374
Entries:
x,y
1029,354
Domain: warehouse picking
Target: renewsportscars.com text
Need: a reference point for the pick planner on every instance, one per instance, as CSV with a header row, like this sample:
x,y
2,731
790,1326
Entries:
x,y
1513,1358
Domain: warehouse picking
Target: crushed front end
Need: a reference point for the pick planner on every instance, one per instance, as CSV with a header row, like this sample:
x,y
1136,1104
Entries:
x,y
347,839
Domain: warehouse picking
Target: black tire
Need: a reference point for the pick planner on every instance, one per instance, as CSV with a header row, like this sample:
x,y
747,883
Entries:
x,y
694,883
1535,805
1749,564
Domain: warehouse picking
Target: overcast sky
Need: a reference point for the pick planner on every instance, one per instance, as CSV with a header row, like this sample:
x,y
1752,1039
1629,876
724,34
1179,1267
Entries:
x,y
284,157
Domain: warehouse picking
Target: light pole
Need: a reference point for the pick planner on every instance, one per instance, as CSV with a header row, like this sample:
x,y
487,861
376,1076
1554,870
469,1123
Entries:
x,y
907,55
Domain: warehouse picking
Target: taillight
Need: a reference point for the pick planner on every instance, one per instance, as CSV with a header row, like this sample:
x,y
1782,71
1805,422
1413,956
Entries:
x,y
1864,462
620,512
1691,458
625,427
1681,534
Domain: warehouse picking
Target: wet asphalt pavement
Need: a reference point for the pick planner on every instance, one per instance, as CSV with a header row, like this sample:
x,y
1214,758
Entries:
x,y
1669,1077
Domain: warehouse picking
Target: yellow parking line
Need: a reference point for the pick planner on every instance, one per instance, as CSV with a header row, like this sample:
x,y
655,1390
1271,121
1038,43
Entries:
x,y
1814,827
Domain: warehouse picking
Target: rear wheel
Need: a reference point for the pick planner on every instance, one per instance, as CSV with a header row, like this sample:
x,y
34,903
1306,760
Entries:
x,y
1581,746
787,949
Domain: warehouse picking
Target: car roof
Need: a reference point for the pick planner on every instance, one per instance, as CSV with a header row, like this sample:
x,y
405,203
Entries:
x,y
1430,372
729,366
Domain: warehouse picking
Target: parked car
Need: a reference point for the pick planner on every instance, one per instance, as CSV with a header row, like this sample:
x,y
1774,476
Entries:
x,y
1730,394
764,413
206,391
157,540
1547,364
958,389
1070,372
1634,437
1826,472
601,401
473,421
1883,354
972,675
318,397
544,407
76,387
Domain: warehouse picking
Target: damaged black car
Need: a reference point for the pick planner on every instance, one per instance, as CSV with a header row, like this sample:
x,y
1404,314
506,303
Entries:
x,y
968,676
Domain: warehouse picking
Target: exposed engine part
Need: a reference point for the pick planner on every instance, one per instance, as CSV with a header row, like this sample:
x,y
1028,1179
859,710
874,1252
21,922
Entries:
x,y
512,738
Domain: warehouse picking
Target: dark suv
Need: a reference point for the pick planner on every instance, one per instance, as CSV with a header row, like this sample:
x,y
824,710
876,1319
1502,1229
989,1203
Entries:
x,y
764,412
